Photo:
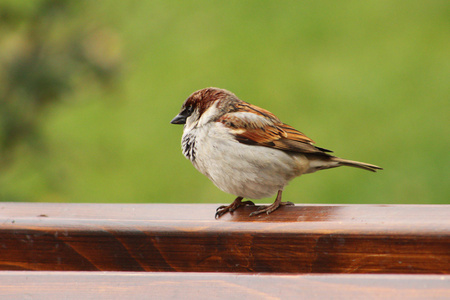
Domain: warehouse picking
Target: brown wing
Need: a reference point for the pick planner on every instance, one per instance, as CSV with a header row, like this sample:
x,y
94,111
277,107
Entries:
x,y
255,126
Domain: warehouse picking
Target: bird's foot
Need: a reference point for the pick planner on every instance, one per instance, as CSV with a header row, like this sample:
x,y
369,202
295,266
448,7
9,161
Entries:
x,y
270,208
221,210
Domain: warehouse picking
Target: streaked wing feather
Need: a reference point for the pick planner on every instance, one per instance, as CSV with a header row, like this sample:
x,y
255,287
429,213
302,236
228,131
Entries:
x,y
255,126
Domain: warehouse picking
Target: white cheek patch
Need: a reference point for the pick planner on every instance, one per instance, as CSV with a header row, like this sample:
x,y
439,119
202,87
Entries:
x,y
208,115
191,121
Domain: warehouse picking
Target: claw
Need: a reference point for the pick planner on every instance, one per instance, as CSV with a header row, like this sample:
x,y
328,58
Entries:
x,y
220,207
221,210
218,215
271,208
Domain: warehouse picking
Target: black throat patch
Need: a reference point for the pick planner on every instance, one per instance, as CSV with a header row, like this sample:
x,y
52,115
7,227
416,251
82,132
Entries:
x,y
188,147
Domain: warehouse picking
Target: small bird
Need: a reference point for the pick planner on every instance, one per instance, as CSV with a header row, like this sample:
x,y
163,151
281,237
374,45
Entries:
x,y
246,150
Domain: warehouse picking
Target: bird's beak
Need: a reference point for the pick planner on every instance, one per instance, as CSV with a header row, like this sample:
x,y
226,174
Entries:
x,y
179,119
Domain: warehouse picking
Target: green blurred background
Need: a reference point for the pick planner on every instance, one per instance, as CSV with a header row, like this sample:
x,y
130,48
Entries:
x,y
88,88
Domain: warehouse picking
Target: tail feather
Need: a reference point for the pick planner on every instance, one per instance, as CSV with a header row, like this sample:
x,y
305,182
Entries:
x,y
357,164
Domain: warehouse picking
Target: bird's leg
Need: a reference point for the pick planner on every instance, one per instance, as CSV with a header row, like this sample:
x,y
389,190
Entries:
x,y
271,208
221,210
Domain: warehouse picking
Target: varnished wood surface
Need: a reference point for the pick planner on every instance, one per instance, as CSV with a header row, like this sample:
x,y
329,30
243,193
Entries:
x,y
402,239
138,285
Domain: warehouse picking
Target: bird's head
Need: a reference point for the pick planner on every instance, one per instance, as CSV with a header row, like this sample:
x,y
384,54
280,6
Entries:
x,y
204,106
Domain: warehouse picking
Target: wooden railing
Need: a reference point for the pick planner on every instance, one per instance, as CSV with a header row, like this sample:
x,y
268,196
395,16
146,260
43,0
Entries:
x,y
302,251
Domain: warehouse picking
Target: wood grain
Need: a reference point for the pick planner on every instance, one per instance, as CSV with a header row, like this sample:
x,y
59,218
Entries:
x,y
396,239
138,285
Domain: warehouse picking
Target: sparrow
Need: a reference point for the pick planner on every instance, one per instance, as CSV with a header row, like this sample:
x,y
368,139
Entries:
x,y
246,150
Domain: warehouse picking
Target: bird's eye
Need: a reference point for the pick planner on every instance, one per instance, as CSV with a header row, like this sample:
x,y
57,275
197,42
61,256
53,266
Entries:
x,y
188,110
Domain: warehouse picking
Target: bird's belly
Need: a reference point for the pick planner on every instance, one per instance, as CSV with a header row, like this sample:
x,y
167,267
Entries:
x,y
248,171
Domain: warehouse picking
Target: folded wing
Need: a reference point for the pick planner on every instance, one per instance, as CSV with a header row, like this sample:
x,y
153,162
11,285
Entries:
x,y
255,126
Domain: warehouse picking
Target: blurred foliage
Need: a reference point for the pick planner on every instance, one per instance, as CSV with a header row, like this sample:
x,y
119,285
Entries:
x,y
42,52
87,90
